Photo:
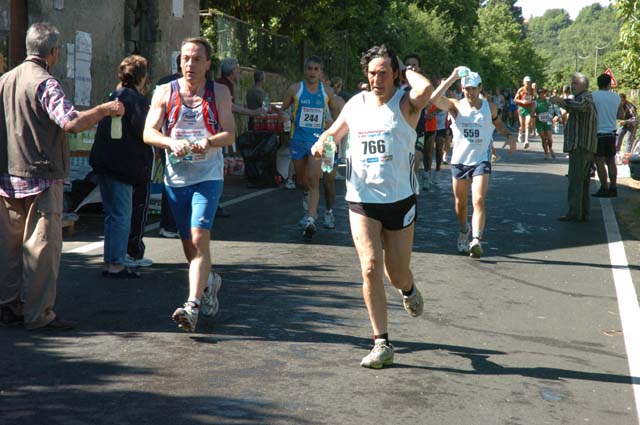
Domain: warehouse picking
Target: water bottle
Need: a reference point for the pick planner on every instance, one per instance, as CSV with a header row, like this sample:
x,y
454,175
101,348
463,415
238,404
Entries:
x,y
266,104
329,153
286,124
174,159
463,72
116,126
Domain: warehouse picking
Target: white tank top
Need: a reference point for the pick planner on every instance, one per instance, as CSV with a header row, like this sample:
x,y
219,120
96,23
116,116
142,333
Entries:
x,y
472,134
381,151
193,168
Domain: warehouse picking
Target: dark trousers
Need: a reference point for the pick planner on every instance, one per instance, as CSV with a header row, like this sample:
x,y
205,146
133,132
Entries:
x,y
139,211
578,194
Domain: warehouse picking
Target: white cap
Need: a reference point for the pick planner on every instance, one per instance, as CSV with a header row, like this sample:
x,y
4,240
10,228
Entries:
x,y
527,78
473,80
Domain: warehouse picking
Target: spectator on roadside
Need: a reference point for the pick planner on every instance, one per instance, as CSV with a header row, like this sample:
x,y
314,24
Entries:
x,y
34,163
167,222
256,95
628,125
609,109
202,124
229,74
580,142
123,164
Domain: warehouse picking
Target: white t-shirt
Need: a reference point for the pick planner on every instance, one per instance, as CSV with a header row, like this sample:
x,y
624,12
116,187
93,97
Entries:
x,y
381,151
607,104
472,134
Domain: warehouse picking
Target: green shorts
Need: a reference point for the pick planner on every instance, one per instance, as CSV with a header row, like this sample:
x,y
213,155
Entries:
x,y
524,112
542,126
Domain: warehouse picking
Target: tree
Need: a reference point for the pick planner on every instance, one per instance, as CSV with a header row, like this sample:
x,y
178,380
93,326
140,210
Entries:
x,y
628,11
505,56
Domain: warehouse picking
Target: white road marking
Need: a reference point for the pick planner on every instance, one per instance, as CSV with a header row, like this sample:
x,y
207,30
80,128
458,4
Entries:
x,y
627,297
97,245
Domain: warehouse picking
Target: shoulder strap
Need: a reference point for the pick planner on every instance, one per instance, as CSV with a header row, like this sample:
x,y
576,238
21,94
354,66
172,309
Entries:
x,y
209,108
173,107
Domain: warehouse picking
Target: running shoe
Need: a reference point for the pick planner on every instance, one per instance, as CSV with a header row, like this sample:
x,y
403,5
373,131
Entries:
x,y
434,178
426,181
444,158
526,144
289,184
303,221
475,248
168,234
309,228
381,355
132,262
187,316
210,305
329,220
413,304
463,242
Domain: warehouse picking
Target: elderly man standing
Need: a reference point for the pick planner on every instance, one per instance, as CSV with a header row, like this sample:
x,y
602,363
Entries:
x,y
581,142
34,161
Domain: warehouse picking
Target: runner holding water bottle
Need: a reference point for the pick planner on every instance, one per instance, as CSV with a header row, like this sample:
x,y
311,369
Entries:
x,y
381,185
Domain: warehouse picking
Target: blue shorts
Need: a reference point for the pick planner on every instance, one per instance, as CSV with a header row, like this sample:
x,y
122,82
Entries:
x,y
461,172
300,148
195,205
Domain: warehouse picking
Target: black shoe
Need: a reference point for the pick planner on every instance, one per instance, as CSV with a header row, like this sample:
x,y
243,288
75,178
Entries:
x,y
9,318
221,213
58,324
567,218
601,193
613,192
122,274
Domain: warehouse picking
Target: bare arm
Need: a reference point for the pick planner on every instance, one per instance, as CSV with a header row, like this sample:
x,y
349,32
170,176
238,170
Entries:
x,y
87,119
417,98
502,129
289,95
338,130
438,96
152,134
227,135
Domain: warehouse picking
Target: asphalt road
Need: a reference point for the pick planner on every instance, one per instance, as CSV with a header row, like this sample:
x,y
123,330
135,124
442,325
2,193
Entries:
x,y
529,334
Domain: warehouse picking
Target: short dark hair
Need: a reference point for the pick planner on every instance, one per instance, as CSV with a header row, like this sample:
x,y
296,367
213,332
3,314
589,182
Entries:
x,y
381,51
258,76
604,81
314,59
412,56
202,41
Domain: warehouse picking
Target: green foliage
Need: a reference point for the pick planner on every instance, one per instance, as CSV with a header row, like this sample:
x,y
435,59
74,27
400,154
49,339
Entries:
x,y
628,11
505,57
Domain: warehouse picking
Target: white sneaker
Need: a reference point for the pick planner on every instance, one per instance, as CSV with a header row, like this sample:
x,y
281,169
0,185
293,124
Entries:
x,y
132,263
426,181
463,241
303,221
444,159
475,248
289,184
187,316
526,144
381,355
309,228
210,305
329,220
413,304
167,234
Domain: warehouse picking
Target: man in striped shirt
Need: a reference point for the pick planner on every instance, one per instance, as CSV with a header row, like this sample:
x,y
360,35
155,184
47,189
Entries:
x,y
581,143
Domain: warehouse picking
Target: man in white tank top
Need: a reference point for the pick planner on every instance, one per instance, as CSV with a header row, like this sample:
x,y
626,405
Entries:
x,y
474,120
381,186
196,196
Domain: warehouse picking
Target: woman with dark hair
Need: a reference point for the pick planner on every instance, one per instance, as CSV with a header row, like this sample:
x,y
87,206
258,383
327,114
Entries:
x,y
122,162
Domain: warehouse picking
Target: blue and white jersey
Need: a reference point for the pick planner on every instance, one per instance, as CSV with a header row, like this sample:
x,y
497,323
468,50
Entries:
x,y
309,113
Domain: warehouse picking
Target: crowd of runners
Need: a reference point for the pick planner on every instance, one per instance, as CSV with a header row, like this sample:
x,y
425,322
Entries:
x,y
388,134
